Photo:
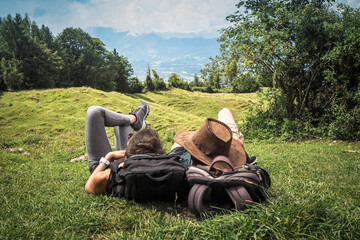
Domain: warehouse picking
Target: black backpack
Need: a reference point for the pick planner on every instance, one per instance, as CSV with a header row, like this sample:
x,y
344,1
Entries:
x,y
213,190
147,177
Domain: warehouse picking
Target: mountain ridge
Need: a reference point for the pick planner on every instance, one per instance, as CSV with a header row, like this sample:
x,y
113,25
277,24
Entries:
x,y
185,56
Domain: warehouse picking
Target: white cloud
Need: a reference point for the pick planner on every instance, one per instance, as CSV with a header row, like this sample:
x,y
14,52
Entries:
x,y
353,3
164,17
142,16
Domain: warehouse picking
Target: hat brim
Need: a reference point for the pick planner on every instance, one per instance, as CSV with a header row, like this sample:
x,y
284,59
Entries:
x,y
236,154
184,138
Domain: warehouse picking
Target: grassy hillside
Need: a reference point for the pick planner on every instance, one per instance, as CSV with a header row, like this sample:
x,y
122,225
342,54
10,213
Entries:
x,y
59,114
315,184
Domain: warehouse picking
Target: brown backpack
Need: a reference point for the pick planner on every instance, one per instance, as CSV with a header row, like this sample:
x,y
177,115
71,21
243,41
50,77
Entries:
x,y
213,190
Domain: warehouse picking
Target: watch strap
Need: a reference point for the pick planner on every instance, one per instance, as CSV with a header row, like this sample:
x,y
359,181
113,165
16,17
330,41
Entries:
x,y
103,160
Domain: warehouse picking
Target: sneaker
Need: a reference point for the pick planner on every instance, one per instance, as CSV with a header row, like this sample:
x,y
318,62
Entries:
x,y
251,160
140,113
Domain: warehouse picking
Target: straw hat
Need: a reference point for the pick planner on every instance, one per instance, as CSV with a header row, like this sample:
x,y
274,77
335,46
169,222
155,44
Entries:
x,y
213,138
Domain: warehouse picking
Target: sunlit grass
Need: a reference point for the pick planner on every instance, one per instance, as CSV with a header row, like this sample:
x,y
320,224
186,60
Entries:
x,y
315,183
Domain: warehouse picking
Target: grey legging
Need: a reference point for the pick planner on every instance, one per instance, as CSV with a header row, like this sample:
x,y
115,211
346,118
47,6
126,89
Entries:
x,y
97,142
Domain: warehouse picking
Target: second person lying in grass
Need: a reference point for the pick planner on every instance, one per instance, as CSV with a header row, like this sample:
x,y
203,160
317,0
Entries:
x,y
214,137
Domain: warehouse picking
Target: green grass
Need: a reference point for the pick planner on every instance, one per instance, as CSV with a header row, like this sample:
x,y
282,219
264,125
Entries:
x,y
315,183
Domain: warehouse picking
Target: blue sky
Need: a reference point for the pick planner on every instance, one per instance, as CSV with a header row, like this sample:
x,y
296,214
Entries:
x,y
107,19
163,17
188,18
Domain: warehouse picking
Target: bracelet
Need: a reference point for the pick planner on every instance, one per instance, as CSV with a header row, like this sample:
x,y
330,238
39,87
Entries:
x,y
103,160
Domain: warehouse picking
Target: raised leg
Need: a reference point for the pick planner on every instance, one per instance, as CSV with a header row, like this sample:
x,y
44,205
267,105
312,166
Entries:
x,y
97,143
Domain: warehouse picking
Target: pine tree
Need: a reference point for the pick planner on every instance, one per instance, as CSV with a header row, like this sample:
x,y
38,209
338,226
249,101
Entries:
x,y
149,85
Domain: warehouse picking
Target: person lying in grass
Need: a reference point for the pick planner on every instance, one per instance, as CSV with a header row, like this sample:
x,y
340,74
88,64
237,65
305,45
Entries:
x,y
128,143
98,146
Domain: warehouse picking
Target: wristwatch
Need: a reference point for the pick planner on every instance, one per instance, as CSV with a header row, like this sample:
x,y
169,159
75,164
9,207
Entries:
x,y
103,160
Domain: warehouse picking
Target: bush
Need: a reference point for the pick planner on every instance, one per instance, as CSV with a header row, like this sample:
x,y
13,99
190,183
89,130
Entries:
x,y
268,120
176,82
207,89
159,84
245,83
345,126
260,125
135,86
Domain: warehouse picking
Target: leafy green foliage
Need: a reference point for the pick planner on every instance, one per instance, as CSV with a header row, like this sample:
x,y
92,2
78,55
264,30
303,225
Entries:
x,y
32,58
176,82
245,83
11,76
207,89
27,62
123,69
159,83
309,50
149,85
135,86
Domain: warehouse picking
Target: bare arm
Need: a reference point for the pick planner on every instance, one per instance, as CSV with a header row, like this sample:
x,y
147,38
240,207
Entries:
x,y
117,155
98,179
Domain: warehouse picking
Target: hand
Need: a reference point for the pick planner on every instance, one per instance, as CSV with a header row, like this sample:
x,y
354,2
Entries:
x,y
121,165
116,155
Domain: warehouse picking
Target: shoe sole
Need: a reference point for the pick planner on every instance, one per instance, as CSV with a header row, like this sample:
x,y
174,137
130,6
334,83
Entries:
x,y
146,114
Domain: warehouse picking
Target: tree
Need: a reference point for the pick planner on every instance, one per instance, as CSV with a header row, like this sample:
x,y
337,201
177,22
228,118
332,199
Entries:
x,y
123,71
244,83
291,46
135,86
196,82
159,83
212,73
85,60
25,55
10,74
176,82
149,85
32,58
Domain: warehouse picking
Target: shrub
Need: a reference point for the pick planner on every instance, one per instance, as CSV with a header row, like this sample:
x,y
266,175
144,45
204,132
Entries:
x,y
245,83
159,84
176,82
207,89
345,125
135,86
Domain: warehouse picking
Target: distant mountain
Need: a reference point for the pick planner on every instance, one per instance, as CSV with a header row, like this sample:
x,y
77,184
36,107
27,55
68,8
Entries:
x,y
185,56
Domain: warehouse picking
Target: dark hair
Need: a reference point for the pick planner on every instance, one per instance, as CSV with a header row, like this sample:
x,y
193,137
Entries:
x,y
144,141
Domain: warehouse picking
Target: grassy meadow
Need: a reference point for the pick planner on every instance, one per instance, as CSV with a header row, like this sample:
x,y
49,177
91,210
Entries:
x,y
315,184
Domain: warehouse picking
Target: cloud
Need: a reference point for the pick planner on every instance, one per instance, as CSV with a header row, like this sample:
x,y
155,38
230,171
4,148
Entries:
x,y
353,3
163,17
142,16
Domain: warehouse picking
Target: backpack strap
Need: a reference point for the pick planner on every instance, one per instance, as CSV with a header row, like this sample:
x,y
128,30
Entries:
x,y
199,193
244,185
240,197
115,183
221,159
262,174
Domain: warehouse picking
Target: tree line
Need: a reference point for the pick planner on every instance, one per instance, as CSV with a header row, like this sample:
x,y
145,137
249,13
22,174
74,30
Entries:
x,y
31,57
307,52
